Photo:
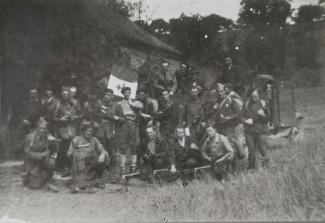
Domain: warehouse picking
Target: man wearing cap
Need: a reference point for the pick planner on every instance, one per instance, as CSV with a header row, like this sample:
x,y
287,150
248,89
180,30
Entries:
x,y
107,121
167,79
227,118
182,80
147,114
49,103
40,150
194,115
256,115
215,147
89,158
233,74
128,112
67,116
32,110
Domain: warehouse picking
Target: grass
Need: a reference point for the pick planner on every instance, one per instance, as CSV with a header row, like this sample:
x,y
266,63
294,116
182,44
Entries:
x,y
292,188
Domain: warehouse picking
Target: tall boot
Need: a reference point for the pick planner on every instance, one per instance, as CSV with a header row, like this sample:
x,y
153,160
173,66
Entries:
x,y
123,160
133,163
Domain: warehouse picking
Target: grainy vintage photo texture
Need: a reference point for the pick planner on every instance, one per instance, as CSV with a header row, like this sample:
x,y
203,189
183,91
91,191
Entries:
x,y
162,110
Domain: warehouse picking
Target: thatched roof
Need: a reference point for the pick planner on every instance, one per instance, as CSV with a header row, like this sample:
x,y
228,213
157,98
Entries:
x,y
127,29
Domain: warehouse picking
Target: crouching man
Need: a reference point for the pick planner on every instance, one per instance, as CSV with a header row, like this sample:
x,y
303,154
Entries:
x,y
40,150
156,155
218,152
186,153
89,160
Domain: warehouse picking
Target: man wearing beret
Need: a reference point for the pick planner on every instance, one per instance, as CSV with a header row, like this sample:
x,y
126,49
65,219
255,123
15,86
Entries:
x,y
256,115
107,123
40,150
89,158
128,113
67,116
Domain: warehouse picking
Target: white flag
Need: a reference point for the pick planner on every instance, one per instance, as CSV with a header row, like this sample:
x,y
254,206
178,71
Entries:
x,y
123,77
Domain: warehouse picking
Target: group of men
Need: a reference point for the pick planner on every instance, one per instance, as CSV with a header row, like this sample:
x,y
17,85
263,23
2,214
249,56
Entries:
x,y
83,139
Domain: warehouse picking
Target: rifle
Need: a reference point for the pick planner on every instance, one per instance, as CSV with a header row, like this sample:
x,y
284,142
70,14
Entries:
x,y
124,179
194,170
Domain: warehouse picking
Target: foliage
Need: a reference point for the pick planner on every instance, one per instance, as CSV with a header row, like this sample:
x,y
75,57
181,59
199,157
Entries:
x,y
309,13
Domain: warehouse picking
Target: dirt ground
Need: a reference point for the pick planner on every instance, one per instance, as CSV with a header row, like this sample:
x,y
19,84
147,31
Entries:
x,y
110,204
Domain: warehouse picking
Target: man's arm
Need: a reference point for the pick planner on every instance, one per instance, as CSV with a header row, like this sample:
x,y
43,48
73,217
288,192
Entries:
x,y
174,87
29,152
227,146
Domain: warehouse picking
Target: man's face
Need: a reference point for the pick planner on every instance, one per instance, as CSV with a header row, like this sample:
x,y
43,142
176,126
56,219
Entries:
x,y
108,97
73,91
255,97
89,133
221,92
66,95
228,61
49,93
165,96
42,129
150,133
164,67
210,132
127,94
142,96
180,133
33,95
194,92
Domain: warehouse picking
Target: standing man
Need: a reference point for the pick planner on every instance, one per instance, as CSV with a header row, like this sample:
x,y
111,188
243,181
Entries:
x,y
88,157
234,75
49,104
256,116
194,115
107,123
147,115
171,115
32,110
128,112
215,147
227,118
40,160
167,79
67,117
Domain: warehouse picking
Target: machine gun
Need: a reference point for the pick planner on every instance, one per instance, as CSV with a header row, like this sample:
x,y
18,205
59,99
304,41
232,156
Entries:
x,y
124,180
190,171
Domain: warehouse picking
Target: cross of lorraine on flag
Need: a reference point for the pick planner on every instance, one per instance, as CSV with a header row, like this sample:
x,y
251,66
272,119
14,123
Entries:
x,y
123,77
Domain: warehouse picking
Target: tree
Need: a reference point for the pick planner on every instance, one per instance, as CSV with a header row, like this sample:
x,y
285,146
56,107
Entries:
x,y
266,42
309,13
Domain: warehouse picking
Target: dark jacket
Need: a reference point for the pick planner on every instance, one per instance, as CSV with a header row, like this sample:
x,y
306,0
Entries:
x,y
250,110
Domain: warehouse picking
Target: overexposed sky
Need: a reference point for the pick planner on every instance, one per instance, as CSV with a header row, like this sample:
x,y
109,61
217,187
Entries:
x,y
167,9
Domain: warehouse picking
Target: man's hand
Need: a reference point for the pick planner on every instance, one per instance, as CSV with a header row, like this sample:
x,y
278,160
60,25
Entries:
x,y
261,112
227,118
26,122
193,146
171,93
51,138
208,159
102,156
115,117
64,118
46,154
215,106
249,121
173,169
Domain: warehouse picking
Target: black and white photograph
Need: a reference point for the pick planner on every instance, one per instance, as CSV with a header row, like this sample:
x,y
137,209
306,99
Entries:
x,y
162,111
